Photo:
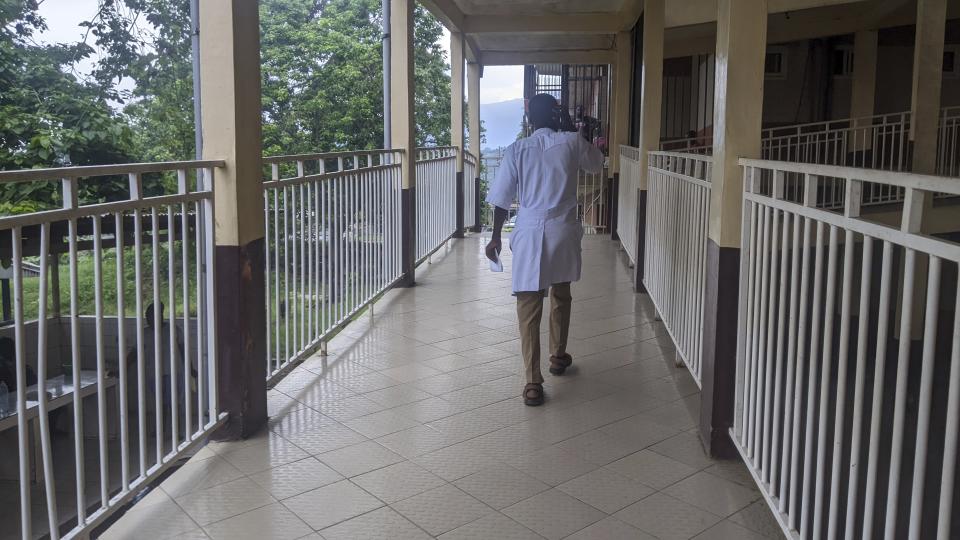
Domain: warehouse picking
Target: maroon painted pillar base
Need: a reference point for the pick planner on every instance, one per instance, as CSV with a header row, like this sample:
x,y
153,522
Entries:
x,y
614,205
241,339
478,205
641,241
719,368
460,207
408,238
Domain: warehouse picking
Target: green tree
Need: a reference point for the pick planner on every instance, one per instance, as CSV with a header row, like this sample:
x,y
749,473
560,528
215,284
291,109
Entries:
x,y
322,76
47,116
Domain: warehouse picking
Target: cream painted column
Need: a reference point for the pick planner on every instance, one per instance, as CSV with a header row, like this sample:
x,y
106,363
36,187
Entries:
x,y
651,99
456,120
230,69
473,114
402,126
621,119
738,112
456,95
927,78
863,92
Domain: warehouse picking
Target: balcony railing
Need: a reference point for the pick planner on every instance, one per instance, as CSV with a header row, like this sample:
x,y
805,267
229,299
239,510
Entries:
x,y
848,374
125,348
332,245
470,175
628,200
678,215
436,196
873,142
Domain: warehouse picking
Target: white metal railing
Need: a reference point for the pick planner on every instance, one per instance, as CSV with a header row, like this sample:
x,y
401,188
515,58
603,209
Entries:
x,y
627,200
678,215
469,189
144,386
848,365
332,245
700,144
875,142
592,201
948,142
436,196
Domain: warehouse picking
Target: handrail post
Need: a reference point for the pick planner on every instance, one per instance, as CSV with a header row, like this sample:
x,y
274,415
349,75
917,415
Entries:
x,y
230,68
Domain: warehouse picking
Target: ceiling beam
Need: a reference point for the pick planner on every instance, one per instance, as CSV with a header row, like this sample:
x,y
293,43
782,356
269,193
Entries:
x,y
841,20
583,23
447,12
472,50
578,56
630,14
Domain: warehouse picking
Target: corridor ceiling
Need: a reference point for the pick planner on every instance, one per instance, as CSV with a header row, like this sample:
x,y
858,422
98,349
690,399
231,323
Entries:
x,y
504,32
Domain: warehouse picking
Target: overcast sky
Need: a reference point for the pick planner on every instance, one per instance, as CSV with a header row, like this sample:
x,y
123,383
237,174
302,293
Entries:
x,y
500,83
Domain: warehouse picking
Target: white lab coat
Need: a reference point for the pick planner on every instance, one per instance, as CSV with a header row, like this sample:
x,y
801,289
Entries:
x,y
541,172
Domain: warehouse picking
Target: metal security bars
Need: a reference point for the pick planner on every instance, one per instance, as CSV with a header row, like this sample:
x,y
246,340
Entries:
x,y
678,215
112,336
332,245
469,189
436,195
627,200
848,370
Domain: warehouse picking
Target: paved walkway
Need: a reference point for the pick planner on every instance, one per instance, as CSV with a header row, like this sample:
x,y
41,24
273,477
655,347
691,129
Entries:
x,y
413,428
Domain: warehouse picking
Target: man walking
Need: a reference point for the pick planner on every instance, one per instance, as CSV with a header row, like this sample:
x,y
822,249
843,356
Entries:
x,y
540,172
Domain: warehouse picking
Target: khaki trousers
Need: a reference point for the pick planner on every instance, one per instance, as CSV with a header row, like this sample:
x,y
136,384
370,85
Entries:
x,y
529,313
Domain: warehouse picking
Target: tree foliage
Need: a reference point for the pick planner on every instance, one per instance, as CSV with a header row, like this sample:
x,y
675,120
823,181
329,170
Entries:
x,y
321,83
48,117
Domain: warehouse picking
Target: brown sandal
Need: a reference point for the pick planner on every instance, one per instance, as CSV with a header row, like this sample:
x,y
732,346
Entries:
x,y
559,364
533,394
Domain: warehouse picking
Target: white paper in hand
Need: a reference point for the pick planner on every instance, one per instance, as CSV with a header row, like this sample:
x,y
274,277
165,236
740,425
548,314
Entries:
x,y
497,265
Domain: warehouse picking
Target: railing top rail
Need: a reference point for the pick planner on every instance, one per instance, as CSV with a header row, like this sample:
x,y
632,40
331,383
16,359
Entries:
x,y
438,158
681,155
855,121
85,171
287,158
438,147
630,152
924,182
314,177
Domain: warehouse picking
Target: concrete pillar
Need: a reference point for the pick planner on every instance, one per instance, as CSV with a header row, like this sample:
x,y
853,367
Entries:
x,y
927,75
864,88
230,69
473,113
741,48
402,126
456,120
620,127
651,99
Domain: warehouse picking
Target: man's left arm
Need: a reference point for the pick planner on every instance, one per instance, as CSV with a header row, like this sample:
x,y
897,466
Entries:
x,y
502,193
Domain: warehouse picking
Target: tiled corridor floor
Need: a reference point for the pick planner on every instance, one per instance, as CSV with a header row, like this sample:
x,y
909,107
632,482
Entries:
x,y
413,428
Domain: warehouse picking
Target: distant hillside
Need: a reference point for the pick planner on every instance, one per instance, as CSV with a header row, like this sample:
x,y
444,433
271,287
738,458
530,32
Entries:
x,y
502,121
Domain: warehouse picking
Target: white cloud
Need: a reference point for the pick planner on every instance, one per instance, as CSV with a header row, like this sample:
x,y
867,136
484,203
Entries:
x,y
501,83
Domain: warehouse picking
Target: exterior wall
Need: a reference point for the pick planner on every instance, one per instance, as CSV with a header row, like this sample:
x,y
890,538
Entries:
x,y
809,91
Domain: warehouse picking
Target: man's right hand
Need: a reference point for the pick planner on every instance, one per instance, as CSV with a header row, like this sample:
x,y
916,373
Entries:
x,y
493,249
